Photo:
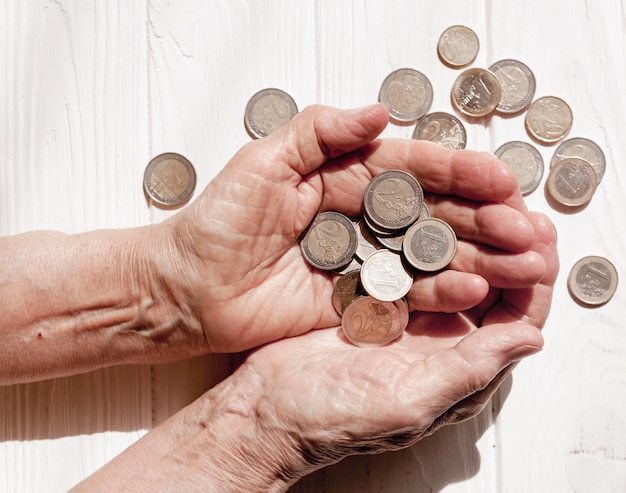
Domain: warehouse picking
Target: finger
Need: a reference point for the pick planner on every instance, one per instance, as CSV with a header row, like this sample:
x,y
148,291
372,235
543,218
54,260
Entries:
x,y
319,133
490,223
448,292
470,174
500,269
532,304
473,363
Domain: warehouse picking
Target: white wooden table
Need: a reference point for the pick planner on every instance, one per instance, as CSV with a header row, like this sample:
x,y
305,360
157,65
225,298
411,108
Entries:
x,y
91,90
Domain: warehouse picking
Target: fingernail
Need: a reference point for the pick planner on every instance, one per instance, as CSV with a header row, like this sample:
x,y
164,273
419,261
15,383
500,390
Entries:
x,y
521,352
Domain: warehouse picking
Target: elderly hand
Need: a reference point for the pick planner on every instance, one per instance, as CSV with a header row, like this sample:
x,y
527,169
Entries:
x,y
239,263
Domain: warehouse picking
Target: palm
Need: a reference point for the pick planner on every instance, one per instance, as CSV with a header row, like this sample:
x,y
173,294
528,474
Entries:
x,y
249,281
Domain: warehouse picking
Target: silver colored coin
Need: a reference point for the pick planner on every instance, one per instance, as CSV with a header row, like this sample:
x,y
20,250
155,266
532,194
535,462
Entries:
x,y
330,241
366,241
476,92
385,277
169,180
393,200
517,85
458,46
393,242
267,111
430,244
443,129
583,149
592,281
525,161
572,182
407,93
548,119
368,322
347,289
425,212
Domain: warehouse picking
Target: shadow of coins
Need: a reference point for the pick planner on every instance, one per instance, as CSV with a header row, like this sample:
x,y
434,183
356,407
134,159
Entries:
x,y
169,181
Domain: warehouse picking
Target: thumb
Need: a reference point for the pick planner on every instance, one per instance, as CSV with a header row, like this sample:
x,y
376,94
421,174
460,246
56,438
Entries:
x,y
319,133
476,361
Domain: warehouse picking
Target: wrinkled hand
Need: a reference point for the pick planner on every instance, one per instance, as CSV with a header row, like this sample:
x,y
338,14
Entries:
x,y
240,264
333,399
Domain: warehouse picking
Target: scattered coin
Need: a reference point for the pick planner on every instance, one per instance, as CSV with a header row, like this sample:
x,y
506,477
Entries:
x,y
369,322
476,92
385,277
592,281
548,119
393,200
407,93
442,128
525,161
330,241
267,111
458,46
517,84
430,244
572,182
583,149
347,289
169,180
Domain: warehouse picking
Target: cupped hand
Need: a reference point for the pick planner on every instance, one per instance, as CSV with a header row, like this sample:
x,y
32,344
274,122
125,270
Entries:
x,y
239,264
333,399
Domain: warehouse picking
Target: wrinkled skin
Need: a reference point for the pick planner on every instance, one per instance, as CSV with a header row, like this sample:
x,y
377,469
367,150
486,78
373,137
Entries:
x,y
242,270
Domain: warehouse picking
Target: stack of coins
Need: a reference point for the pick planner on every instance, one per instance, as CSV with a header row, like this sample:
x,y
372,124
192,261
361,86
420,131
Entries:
x,y
377,255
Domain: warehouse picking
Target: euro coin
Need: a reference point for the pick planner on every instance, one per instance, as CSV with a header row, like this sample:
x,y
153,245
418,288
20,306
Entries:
x,y
430,244
443,129
525,161
385,277
517,85
572,182
407,93
393,200
581,148
169,180
592,281
458,46
369,322
548,119
476,92
267,111
330,241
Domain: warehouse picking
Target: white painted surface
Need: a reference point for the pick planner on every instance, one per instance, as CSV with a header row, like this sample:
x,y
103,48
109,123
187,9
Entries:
x,y
90,91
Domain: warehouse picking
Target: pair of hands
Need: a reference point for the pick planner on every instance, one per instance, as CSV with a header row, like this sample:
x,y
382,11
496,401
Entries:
x,y
248,284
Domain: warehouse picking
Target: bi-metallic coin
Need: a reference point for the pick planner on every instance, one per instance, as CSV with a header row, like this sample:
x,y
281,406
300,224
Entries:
x,y
443,129
583,149
393,200
407,93
517,85
369,322
330,241
385,277
169,180
458,46
525,161
572,182
347,289
592,281
476,92
430,244
267,111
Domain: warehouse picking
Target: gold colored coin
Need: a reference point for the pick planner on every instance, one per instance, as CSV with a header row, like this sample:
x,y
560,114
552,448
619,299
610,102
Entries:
x,y
548,119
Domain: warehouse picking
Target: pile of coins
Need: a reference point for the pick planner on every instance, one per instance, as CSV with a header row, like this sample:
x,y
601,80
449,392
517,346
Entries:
x,y
377,254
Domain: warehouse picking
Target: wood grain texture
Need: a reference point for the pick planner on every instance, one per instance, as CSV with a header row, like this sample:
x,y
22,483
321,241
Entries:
x,y
91,90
